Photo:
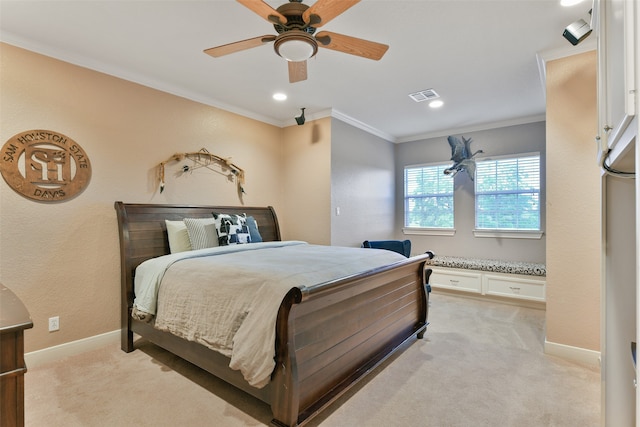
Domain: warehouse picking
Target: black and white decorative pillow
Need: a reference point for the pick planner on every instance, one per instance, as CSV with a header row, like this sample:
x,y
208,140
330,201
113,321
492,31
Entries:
x,y
232,229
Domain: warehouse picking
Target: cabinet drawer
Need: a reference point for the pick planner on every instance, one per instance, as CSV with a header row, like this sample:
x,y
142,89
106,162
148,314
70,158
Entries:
x,y
454,279
515,287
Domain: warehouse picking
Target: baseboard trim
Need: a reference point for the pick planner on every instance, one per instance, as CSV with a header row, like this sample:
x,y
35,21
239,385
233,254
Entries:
x,y
576,354
57,352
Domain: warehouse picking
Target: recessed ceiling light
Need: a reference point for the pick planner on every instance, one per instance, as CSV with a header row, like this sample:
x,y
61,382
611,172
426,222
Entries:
x,y
279,96
436,104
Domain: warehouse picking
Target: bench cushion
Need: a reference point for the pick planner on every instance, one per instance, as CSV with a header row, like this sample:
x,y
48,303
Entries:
x,y
494,265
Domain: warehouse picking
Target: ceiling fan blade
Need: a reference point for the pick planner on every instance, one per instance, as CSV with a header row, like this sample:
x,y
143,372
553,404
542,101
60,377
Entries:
x,y
297,71
351,45
264,10
326,10
238,46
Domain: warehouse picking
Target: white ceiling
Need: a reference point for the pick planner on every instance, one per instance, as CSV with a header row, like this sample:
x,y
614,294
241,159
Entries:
x,y
481,57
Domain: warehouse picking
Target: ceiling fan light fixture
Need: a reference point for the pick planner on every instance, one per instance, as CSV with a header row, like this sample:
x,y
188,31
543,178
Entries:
x,y
295,46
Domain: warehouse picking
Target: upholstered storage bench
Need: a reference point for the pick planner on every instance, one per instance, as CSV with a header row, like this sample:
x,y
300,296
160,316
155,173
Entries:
x,y
516,281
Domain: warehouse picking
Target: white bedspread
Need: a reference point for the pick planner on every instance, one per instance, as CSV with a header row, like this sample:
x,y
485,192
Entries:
x,y
228,298
149,274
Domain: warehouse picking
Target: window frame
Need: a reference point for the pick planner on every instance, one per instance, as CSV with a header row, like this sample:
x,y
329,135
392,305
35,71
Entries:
x,y
431,231
508,232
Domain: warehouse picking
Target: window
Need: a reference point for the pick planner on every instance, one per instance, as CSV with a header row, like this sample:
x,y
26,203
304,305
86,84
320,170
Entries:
x,y
508,193
428,197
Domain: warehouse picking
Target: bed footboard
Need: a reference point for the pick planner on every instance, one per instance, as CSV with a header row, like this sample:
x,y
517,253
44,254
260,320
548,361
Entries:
x,y
340,331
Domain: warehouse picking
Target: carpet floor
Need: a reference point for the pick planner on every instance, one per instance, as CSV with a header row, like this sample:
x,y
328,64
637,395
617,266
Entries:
x,y
481,364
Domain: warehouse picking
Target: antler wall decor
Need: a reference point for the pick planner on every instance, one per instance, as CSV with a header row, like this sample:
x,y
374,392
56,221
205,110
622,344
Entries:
x,y
205,159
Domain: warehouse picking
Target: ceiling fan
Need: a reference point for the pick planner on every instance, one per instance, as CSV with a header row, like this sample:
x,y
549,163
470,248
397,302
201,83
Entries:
x,y
297,40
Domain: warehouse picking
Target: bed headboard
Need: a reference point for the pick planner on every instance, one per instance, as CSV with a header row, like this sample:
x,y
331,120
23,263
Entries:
x,y
143,233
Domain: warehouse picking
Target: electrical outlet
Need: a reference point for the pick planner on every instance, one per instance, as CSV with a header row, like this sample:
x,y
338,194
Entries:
x,y
54,323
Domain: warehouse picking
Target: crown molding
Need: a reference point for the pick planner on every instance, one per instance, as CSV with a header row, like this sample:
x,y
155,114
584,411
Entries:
x,y
82,61
361,125
476,128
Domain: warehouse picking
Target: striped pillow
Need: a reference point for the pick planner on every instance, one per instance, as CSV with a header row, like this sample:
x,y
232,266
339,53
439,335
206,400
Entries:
x,y
202,232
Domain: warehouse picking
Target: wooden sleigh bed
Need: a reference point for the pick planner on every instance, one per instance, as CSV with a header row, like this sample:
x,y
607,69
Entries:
x,y
378,310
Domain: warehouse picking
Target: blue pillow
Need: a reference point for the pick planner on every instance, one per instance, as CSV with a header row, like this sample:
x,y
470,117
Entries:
x,y
253,230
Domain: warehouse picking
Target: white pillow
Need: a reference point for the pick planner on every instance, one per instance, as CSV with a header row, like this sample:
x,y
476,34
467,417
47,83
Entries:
x,y
178,236
202,232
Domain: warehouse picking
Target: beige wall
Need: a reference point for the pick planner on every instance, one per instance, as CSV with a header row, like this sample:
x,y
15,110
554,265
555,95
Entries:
x,y
61,259
306,182
573,204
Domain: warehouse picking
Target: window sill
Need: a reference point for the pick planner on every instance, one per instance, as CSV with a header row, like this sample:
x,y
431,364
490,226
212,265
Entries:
x,y
509,234
429,231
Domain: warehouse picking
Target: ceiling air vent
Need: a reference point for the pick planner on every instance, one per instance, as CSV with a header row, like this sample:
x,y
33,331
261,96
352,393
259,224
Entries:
x,y
424,95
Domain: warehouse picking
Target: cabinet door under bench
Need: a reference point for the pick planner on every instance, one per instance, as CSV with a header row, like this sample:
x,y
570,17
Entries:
x,y
457,279
512,286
